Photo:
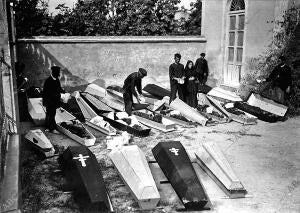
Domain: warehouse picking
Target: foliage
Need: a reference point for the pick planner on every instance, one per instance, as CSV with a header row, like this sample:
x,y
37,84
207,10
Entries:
x,y
285,42
102,17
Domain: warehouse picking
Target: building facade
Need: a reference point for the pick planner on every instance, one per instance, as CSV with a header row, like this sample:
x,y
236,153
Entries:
x,y
238,31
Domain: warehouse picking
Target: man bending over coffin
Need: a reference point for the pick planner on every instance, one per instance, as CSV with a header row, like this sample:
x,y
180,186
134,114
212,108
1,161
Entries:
x,y
176,73
280,80
134,80
52,98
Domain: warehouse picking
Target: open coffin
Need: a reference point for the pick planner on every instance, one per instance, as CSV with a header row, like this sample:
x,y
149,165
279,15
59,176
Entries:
x,y
177,167
133,168
84,175
188,112
155,121
211,159
91,117
123,122
40,142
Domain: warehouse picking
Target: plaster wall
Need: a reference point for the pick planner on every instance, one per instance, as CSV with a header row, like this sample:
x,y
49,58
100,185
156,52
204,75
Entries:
x,y
111,59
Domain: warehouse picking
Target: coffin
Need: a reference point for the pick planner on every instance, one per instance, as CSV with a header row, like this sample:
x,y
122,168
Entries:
x,y
95,103
156,121
75,130
224,94
188,111
40,142
243,119
73,108
258,112
37,111
133,168
211,159
177,167
156,91
134,128
178,121
96,90
83,173
267,105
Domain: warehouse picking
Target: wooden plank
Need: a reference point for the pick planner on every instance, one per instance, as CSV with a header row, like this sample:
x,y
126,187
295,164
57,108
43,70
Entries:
x,y
40,142
177,167
188,111
267,104
211,159
84,175
133,168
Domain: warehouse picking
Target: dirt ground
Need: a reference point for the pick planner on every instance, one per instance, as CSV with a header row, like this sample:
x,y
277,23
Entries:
x,y
266,158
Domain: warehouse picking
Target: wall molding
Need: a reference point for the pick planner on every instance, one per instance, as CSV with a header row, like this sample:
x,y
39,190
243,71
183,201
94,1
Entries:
x,y
113,39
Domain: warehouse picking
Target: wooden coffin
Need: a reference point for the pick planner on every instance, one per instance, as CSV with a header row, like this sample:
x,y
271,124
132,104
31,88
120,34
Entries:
x,y
96,90
224,94
95,103
134,128
75,130
177,167
258,112
133,168
188,111
156,121
84,175
267,105
40,142
156,91
37,111
243,119
73,108
213,162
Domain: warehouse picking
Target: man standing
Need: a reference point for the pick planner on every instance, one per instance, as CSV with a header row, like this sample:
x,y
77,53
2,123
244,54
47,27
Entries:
x,y
134,80
201,69
280,80
52,98
176,73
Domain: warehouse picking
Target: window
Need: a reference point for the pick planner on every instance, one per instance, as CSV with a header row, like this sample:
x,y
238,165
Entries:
x,y
237,5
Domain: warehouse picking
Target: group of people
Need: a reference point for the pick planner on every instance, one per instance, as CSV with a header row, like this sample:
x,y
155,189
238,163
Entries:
x,y
185,80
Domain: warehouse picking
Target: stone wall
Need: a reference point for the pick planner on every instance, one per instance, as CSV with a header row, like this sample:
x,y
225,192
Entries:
x,y
111,59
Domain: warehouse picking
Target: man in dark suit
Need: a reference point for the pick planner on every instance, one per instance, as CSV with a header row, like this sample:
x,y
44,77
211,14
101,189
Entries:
x,y
134,80
52,98
202,69
176,73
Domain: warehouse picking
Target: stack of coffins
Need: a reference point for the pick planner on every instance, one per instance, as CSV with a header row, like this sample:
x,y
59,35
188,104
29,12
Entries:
x,y
84,175
40,142
156,121
188,112
156,91
133,168
213,162
177,167
130,124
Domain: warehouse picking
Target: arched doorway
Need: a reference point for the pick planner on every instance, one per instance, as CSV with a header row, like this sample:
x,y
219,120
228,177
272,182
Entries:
x,y
234,42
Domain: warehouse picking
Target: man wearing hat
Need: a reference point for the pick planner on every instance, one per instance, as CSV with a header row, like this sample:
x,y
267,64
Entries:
x,y
52,98
134,80
202,68
176,74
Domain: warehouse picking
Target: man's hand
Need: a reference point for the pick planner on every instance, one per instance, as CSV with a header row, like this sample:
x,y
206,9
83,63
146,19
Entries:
x,y
288,90
260,80
192,78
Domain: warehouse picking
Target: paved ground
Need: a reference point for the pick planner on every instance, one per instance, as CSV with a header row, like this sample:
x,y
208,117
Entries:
x,y
266,158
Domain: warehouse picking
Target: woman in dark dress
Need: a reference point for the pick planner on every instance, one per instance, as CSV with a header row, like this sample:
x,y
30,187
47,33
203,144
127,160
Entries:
x,y
191,84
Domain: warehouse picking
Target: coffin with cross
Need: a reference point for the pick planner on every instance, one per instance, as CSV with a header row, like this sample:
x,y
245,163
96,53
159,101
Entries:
x,y
84,175
40,142
213,162
133,168
177,167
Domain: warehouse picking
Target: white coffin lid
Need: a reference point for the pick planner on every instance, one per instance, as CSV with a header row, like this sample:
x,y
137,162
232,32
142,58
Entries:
x,y
96,90
267,104
225,94
41,138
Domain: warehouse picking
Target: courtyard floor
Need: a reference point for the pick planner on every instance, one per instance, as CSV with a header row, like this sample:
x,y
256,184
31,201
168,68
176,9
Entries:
x,y
266,158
